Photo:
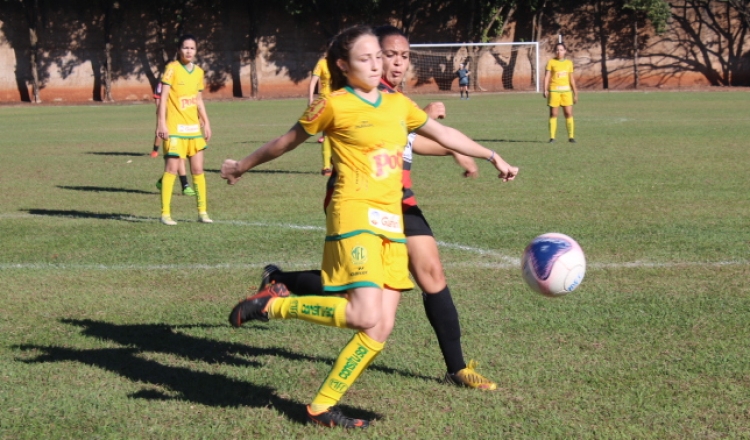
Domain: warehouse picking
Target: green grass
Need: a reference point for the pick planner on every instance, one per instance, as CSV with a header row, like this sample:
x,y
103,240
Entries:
x,y
114,326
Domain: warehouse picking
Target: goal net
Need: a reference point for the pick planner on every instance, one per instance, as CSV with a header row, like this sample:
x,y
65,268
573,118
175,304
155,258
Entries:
x,y
494,67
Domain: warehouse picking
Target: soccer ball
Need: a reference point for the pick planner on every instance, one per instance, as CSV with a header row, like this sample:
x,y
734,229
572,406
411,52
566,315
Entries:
x,y
553,264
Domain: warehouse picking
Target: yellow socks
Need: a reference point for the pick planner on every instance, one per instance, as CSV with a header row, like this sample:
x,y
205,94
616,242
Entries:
x,y
323,310
199,180
167,183
570,125
352,361
552,127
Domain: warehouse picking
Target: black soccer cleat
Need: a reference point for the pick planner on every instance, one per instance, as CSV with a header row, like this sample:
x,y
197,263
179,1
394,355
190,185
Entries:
x,y
256,306
572,141
552,141
265,277
333,417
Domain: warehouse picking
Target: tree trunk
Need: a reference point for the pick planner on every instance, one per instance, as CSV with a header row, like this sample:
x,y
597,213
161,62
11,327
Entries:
x,y
31,7
108,11
603,42
33,64
635,51
253,48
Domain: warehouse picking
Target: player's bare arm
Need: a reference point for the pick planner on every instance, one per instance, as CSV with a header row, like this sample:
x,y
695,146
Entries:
x,y
545,89
427,147
203,117
161,114
232,170
459,142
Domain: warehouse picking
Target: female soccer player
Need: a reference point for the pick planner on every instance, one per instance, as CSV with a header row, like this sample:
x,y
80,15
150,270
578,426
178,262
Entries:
x,y
424,258
321,78
186,189
463,80
560,90
181,113
365,253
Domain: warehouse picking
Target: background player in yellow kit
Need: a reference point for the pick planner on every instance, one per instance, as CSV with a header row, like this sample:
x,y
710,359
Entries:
x,y
186,189
321,77
560,91
181,114
365,253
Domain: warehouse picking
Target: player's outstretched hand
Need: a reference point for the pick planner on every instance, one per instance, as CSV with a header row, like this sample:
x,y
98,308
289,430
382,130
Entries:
x,y
230,171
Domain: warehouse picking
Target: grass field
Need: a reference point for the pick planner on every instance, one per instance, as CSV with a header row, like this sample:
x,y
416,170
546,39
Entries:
x,y
114,326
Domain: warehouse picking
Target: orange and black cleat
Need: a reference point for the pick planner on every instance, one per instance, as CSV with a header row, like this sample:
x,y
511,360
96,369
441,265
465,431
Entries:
x,y
256,306
333,417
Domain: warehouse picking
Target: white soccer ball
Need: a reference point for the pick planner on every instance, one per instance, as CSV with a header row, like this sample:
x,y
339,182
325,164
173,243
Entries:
x,y
553,264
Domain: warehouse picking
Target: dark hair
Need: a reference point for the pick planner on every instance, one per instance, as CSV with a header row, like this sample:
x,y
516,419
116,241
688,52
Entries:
x,y
561,44
184,37
339,50
387,30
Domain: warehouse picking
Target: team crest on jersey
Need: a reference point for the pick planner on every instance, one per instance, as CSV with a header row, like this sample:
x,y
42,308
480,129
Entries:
x,y
168,75
315,110
359,255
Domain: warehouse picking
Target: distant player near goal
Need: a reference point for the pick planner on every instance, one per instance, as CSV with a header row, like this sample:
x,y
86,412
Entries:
x,y
560,91
463,80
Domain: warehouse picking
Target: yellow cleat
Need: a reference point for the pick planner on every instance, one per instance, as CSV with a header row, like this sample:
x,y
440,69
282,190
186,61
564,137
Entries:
x,y
467,377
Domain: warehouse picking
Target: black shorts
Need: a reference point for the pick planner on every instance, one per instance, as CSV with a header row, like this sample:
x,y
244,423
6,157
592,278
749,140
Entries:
x,y
415,223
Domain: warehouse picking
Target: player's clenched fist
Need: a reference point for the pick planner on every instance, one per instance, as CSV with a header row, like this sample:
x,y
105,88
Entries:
x,y
230,171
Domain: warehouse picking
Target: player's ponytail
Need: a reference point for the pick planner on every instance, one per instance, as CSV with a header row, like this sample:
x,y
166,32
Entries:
x,y
339,50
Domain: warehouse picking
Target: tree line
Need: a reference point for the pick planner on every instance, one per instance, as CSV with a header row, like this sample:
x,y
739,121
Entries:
x,y
706,36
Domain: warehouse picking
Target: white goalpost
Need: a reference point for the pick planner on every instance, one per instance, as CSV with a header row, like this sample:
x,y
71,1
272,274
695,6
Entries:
x,y
494,67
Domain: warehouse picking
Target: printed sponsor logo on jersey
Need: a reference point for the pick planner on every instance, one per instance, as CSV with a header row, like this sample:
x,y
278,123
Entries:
x,y
293,308
359,255
194,128
384,163
364,124
315,110
188,101
338,386
385,220
353,361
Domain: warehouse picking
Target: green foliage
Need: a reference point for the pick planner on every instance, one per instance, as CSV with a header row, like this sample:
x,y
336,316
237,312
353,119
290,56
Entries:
x,y
657,11
114,326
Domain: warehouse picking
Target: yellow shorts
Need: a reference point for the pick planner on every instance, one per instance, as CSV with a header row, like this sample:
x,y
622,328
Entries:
x,y
557,99
365,260
182,148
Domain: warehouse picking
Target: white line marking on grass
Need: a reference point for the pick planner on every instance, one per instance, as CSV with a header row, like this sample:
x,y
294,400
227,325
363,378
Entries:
x,y
506,262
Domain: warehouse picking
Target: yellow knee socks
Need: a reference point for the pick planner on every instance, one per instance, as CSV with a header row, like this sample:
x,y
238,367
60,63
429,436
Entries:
x,y
351,363
167,183
323,310
199,180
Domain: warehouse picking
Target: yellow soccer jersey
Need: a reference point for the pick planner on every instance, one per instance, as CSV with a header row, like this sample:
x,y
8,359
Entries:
x,y
367,143
560,71
182,103
321,71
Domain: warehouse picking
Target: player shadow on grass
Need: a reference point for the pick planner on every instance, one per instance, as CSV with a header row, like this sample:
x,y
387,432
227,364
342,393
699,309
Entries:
x,y
117,153
509,141
72,213
104,189
169,382
185,383
269,172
